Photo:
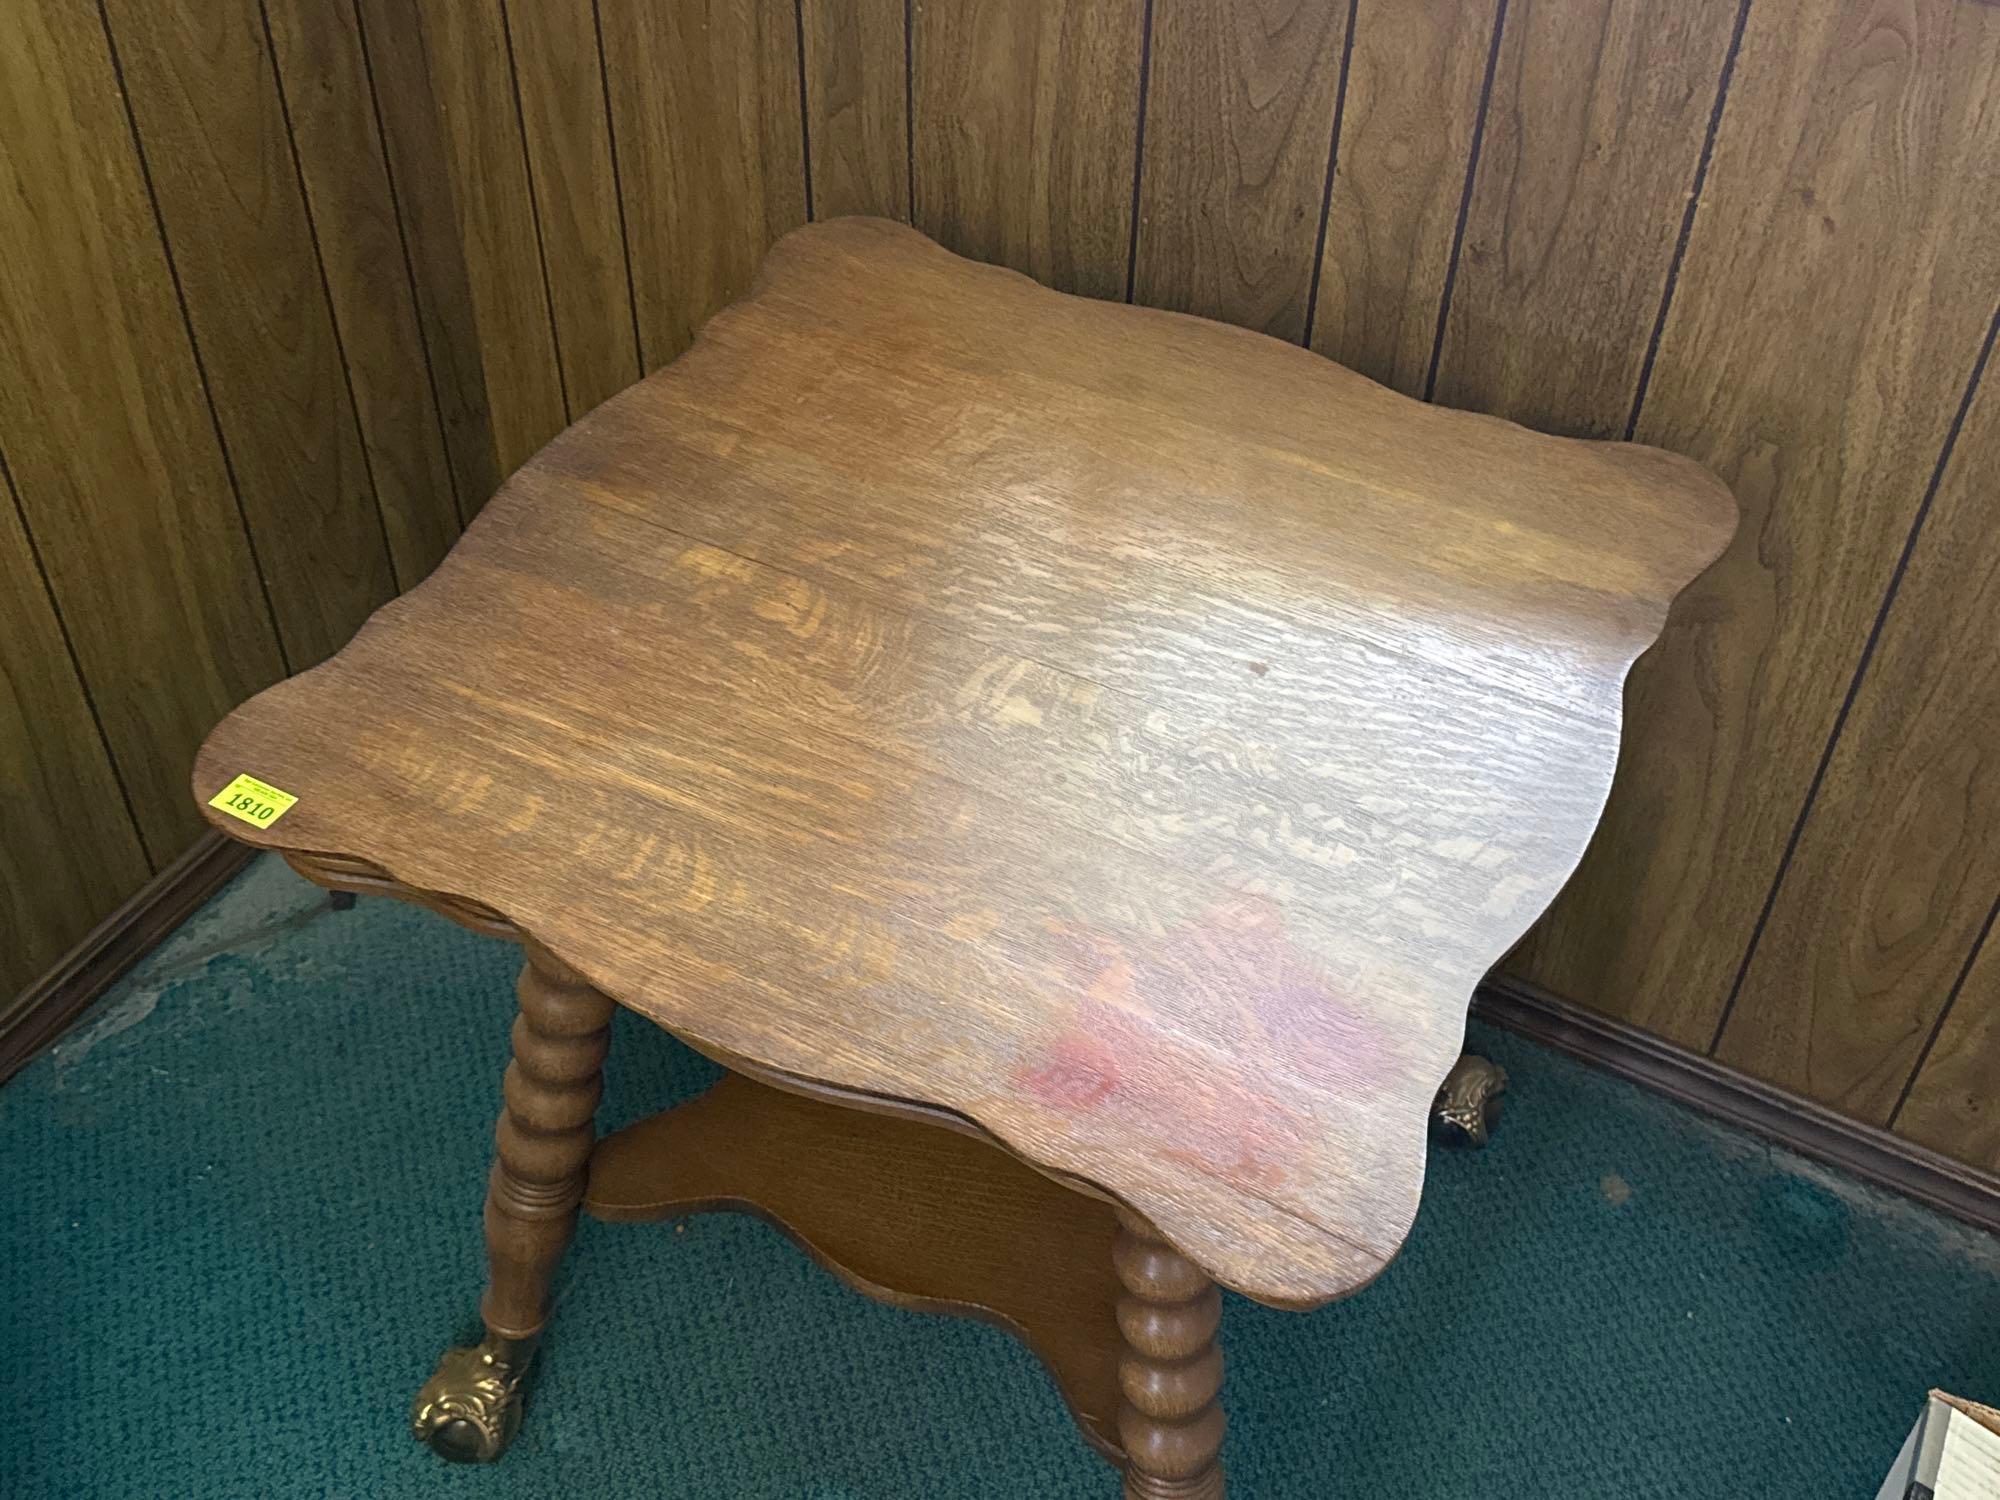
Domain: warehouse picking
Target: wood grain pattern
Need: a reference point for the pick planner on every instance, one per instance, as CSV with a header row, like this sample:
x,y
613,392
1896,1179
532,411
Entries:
x,y
728,699
705,102
857,107
1897,868
100,402
906,1213
1026,128
477,107
1596,124
317,45
1239,127
1821,387
402,94
1413,83
210,121
445,86
1953,1106
576,194
71,849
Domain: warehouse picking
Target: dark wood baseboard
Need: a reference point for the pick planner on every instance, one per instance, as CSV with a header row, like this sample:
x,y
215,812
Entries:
x,y
1812,1130
44,1010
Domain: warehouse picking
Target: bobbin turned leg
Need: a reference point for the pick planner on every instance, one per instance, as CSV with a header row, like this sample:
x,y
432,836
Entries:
x,y
1170,1370
470,1409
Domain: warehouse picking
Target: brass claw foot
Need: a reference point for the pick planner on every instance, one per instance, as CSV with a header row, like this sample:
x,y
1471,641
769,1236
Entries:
x,y
1468,1105
470,1409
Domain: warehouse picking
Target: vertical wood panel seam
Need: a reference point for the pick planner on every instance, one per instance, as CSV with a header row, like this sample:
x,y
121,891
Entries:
x,y
326,293
535,212
1944,1013
1465,198
1332,162
1687,219
75,662
194,344
409,263
805,111
910,104
1861,665
618,188
1139,147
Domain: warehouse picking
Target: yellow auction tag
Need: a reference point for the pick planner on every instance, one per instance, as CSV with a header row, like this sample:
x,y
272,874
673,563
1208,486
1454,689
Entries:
x,y
255,802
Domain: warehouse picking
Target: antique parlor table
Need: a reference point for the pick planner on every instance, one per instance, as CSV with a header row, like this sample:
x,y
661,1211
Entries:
x,y
1069,762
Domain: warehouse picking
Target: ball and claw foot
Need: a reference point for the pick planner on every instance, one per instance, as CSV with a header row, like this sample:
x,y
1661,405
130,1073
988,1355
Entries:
x,y
1467,1107
470,1409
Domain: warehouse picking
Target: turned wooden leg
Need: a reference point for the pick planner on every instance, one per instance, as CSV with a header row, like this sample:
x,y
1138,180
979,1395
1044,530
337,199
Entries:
x,y
470,1409
1170,1370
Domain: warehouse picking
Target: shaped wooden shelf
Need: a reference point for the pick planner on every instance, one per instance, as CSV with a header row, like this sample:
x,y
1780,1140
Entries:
x,y
906,1212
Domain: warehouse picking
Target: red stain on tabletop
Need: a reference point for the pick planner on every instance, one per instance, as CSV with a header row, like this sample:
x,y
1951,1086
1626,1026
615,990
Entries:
x,y
1159,1017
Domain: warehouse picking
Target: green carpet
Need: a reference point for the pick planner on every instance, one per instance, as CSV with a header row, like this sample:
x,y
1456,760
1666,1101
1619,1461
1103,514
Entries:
x,y
239,1217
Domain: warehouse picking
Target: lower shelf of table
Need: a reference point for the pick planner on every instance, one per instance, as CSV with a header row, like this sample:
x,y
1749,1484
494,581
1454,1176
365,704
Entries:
x,y
906,1212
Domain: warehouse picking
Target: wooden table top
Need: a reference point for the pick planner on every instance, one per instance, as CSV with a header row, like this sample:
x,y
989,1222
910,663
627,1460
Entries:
x,y
1131,734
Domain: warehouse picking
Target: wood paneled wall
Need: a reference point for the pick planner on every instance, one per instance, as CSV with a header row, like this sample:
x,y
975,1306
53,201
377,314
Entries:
x,y
288,286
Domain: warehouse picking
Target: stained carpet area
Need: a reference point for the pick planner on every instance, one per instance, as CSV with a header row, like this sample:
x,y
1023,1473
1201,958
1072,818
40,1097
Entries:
x,y
239,1217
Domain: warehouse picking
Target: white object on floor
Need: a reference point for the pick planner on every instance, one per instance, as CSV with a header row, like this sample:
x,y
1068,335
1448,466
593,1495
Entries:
x,y
1953,1453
